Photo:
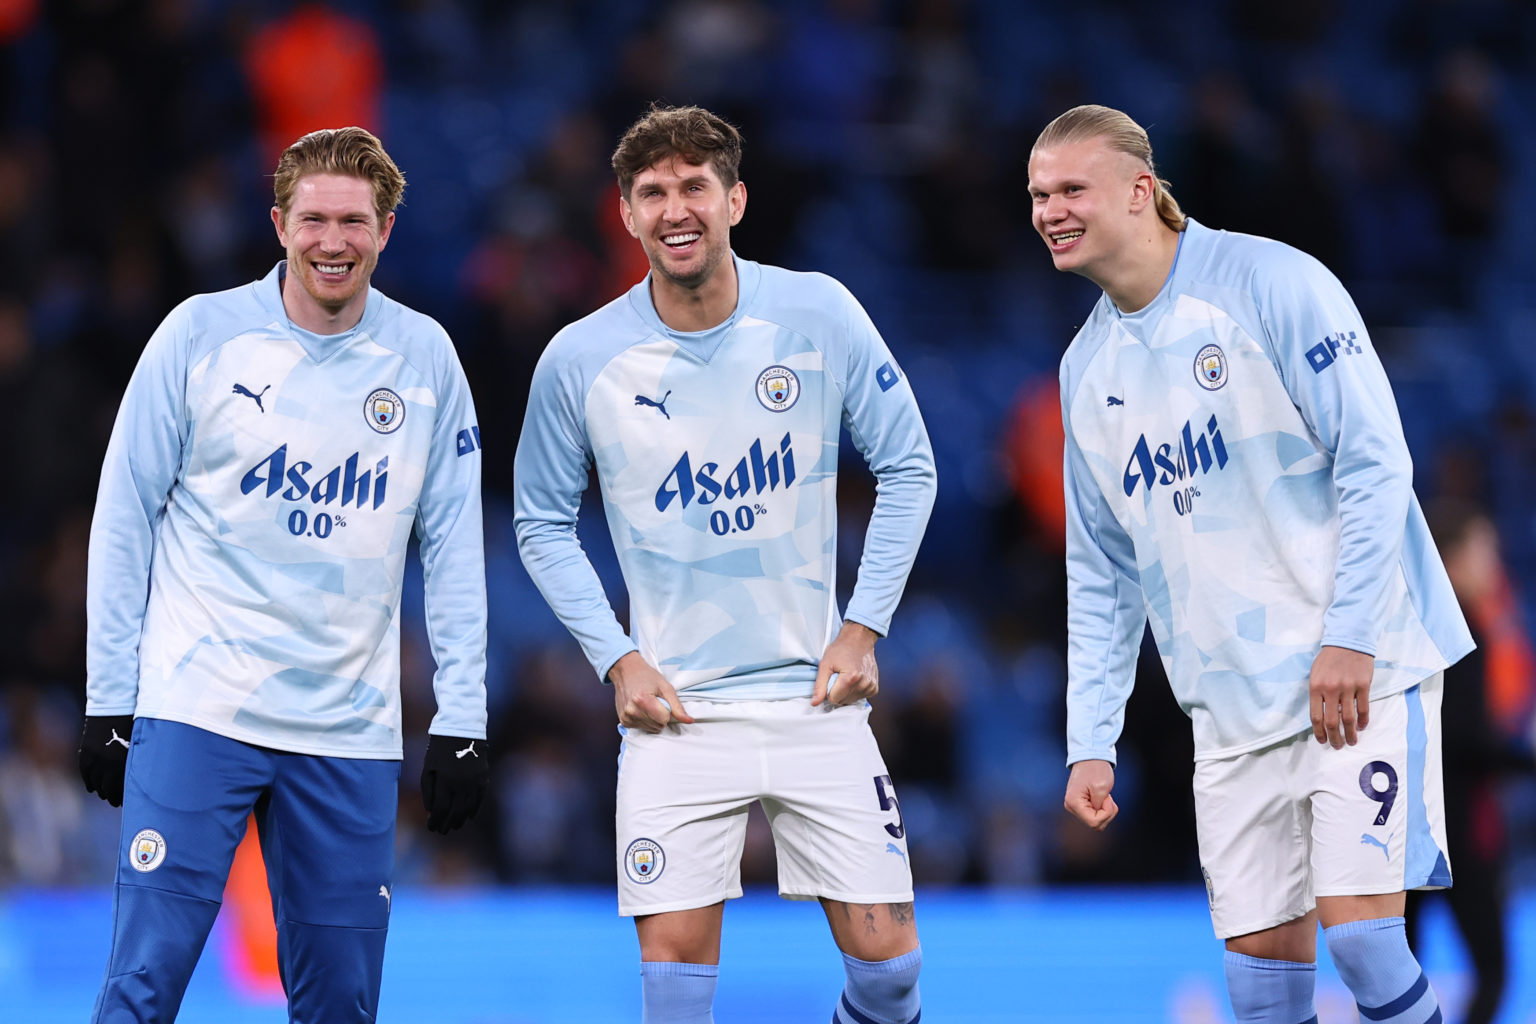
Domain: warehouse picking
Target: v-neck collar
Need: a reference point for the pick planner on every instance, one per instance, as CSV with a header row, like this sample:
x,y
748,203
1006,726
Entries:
x,y
1172,285
701,344
319,347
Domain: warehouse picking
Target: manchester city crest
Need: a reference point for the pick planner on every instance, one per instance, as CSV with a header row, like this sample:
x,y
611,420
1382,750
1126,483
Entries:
x,y
147,851
1211,367
384,411
644,861
777,388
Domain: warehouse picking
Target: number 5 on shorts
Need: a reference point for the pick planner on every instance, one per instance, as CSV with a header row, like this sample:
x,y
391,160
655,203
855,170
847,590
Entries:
x,y
1385,797
888,800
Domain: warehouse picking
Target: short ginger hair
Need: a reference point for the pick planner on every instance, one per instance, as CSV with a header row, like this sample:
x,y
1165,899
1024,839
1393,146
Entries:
x,y
354,152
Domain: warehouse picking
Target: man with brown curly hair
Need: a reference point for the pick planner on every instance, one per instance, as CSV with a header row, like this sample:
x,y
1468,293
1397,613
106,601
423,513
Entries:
x,y
711,397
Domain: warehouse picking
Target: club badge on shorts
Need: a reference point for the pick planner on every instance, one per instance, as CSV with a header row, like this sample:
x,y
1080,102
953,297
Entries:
x,y
644,861
147,851
777,388
1211,367
384,411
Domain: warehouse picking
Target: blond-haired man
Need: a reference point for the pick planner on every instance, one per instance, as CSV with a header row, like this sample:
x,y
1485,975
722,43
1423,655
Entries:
x,y
275,449
1236,474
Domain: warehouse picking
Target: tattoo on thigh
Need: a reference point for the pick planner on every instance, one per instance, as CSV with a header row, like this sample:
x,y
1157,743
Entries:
x,y
901,913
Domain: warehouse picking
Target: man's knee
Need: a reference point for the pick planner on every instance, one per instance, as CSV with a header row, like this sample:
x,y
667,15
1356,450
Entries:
x,y
157,939
872,931
1374,961
332,974
1294,941
681,936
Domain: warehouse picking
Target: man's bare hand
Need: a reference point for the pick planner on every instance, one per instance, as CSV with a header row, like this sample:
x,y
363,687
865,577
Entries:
x,y
642,696
847,673
1088,796
1341,695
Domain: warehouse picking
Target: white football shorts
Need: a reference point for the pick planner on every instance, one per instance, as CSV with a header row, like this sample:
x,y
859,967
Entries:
x,y
1280,826
683,796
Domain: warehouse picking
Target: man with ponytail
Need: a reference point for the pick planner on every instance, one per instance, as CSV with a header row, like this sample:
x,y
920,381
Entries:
x,y
1236,474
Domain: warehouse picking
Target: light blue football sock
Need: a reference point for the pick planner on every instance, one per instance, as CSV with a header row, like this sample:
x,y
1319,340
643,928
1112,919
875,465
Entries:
x,y
881,992
1374,960
674,993
1270,991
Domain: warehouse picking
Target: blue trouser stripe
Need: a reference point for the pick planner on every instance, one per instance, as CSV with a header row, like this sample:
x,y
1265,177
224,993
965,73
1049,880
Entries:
x,y
859,1018
1414,994
863,1018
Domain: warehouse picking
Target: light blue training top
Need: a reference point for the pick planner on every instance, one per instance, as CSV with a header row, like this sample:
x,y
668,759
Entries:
x,y
249,541
716,454
1236,472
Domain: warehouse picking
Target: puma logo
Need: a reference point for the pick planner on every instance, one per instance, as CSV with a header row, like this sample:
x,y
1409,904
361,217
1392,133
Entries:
x,y
1112,400
893,848
1370,840
467,750
116,739
654,404
241,389
384,891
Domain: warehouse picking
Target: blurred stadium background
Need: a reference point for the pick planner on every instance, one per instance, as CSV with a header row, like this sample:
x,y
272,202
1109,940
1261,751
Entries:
x,y
886,142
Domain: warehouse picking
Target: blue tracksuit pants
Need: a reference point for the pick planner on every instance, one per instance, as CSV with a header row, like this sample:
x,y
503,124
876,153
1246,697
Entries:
x,y
327,835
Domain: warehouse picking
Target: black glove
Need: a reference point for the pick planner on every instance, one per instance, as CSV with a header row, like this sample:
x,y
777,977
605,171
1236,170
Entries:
x,y
454,776
104,755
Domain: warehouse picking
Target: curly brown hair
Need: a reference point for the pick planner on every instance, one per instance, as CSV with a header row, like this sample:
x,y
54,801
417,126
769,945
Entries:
x,y
692,133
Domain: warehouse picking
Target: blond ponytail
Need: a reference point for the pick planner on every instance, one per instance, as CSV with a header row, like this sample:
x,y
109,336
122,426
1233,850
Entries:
x,y
1124,135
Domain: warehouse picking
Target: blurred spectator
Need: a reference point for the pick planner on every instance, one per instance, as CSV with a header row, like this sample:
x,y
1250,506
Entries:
x,y
24,227
314,68
719,48
16,17
834,60
1477,752
1033,447
1294,24
1460,147
920,733
552,789
208,231
1227,154
44,603
1315,174
44,829
1424,30
48,391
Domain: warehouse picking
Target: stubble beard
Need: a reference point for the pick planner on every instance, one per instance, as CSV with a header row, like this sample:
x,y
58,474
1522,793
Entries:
x,y
713,257
326,298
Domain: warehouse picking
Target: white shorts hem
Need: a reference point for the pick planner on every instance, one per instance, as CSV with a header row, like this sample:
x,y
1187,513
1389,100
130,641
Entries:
x,y
1362,890
1234,931
847,897
692,903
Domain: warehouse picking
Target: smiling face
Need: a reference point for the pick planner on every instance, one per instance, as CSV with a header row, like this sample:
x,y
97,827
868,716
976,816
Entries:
x,y
333,234
683,214
1086,198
